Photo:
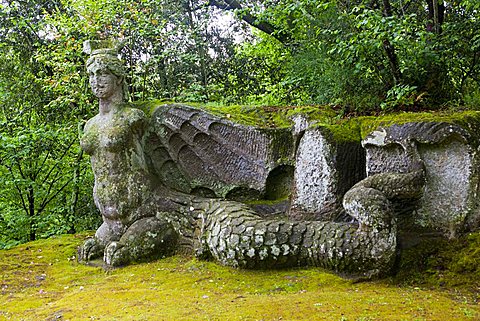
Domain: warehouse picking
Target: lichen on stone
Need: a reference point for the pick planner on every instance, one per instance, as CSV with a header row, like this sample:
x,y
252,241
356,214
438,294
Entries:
x,y
158,174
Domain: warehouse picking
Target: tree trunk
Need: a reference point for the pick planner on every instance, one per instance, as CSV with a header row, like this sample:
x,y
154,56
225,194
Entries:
x,y
436,21
390,49
435,15
199,47
75,193
31,213
161,71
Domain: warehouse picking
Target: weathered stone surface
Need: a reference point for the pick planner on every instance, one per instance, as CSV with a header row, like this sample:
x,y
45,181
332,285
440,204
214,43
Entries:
x,y
325,170
201,152
126,196
449,202
155,180
363,249
145,240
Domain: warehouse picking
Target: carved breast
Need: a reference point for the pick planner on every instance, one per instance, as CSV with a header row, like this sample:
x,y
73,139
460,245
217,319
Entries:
x,y
112,134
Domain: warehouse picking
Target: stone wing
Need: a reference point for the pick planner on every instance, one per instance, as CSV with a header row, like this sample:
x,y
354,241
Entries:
x,y
196,152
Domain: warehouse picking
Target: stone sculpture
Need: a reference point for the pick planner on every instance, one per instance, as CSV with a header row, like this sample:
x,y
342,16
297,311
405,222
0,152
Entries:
x,y
325,170
196,153
162,184
450,196
123,191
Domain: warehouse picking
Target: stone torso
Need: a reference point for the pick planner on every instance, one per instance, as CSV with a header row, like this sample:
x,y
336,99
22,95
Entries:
x,y
114,143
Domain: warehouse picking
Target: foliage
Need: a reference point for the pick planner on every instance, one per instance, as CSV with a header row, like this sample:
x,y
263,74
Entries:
x,y
44,175
40,196
372,54
358,56
257,76
45,96
171,50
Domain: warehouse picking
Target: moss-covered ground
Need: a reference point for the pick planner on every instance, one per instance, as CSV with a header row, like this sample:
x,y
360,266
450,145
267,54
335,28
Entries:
x,y
42,281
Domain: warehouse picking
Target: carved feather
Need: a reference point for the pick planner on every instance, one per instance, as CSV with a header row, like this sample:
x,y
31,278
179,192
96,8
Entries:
x,y
214,153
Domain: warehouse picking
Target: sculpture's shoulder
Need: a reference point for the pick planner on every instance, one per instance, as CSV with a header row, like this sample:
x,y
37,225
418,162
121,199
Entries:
x,y
133,116
90,123
134,113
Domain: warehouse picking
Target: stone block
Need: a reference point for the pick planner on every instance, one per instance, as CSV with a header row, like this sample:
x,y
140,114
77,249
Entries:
x,y
325,169
449,152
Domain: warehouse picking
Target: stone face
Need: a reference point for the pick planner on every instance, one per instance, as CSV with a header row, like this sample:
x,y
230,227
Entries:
x,y
449,202
325,170
212,157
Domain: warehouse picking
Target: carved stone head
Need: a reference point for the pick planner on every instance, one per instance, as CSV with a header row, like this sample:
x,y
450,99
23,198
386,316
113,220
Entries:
x,y
105,69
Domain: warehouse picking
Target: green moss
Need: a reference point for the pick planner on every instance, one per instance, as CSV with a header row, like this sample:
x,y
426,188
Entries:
x,y
342,129
318,114
466,256
356,129
245,115
42,281
469,120
149,106
345,131
258,116
443,264
267,202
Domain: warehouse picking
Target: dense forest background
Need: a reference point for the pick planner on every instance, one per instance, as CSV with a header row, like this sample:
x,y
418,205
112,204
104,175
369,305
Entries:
x,y
363,57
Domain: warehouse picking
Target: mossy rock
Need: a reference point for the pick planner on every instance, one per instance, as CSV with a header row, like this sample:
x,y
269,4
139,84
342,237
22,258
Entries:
x,y
343,129
468,120
443,264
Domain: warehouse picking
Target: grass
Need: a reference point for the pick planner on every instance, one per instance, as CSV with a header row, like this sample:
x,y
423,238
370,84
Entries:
x,y
42,281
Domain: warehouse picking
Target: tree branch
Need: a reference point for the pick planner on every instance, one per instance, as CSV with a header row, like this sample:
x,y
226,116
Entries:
x,y
24,205
56,164
46,201
49,190
233,5
37,171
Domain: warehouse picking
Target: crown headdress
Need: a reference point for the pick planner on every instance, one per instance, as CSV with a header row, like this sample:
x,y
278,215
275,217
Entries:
x,y
102,47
